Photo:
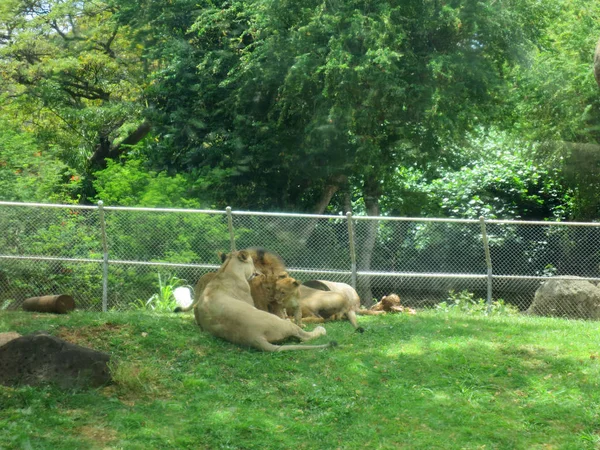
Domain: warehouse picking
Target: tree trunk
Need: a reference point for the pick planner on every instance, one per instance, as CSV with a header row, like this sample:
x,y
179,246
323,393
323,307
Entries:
x,y
105,149
330,189
371,194
597,63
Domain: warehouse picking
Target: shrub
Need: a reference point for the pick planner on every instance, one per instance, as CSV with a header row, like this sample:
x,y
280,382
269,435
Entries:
x,y
465,302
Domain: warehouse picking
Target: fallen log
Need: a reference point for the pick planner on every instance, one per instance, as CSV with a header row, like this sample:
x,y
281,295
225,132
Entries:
x,y
59,304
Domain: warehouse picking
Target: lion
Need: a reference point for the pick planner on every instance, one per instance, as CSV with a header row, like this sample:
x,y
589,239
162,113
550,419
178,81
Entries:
x,y
286,297
319,305
271,289
226,310
264,288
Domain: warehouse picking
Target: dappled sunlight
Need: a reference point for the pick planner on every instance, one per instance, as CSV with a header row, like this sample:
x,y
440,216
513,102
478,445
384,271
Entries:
x,y
431,377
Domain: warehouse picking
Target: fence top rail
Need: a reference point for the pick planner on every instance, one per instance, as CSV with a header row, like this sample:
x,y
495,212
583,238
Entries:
x,y
164,210
304,215
48,205
282,214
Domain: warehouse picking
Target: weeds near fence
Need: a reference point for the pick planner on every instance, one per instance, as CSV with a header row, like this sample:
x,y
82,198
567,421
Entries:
x,y
164,300
466,303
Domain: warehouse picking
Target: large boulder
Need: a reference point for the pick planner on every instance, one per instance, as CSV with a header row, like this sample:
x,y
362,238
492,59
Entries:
x,y
39,358
572,298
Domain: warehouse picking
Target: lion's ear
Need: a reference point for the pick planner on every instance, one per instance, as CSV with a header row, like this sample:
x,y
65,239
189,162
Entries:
x,y
243,255
295,283
222,256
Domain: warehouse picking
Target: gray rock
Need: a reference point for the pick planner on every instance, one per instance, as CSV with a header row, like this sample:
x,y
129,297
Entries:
x,y
39,358
572,298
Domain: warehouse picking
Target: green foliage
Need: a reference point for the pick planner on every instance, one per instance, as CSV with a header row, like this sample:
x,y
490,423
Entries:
x,y
70,75
464,302
514,189
30,173
495,176
286,98
5,305
557,103
131,184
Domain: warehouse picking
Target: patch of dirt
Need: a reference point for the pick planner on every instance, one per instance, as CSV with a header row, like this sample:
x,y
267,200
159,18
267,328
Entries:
x,y
7,337
91,336
100,436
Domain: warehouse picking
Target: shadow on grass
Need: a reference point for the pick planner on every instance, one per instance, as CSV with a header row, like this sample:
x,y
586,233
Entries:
x,y
424,381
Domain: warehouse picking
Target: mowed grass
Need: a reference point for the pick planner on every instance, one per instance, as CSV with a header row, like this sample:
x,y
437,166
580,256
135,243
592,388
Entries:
x,y
430,381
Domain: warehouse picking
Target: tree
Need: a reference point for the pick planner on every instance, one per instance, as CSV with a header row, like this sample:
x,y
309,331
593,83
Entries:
x,y
556,104
29,173
71,74
295,101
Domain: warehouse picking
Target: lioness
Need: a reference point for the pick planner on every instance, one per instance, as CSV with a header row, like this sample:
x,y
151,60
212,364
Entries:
x,y
226,310
286,297
272,289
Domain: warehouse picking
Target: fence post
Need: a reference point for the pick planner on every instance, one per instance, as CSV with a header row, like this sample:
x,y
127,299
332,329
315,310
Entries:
x,y
105,257
352,248
488,262
230,227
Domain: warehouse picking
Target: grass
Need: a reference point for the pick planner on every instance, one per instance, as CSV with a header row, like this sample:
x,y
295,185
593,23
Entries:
x,y
436,380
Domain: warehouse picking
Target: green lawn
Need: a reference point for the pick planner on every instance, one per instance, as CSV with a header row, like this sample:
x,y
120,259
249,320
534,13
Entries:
x,y
430,381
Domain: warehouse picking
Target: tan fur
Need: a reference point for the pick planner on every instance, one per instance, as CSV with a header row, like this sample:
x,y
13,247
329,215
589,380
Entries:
x,y
318,305
389,303
286,295
226,310
264,287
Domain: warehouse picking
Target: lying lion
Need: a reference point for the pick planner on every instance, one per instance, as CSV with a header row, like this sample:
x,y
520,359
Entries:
x,y
272,289
226,310
286,298
319,305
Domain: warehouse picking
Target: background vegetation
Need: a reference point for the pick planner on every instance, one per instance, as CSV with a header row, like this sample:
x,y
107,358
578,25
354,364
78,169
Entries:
x,y
428,108
454,108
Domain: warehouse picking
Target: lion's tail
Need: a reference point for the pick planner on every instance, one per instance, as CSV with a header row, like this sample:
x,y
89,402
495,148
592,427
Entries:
x,y
283,348
369,312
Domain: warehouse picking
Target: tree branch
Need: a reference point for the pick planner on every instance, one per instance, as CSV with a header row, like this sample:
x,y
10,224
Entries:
x,y
105,150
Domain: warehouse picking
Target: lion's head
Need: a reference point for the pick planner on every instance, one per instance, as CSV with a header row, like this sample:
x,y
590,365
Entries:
x,y
238,262
286,287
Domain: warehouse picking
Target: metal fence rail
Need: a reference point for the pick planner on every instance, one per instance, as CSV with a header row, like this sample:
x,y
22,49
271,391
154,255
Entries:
x,y
111,257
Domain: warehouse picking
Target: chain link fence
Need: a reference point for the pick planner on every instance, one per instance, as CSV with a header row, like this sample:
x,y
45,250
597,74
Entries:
x,y
113,257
